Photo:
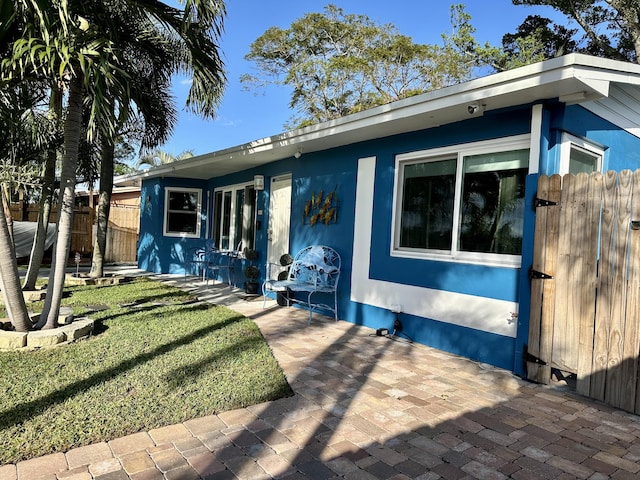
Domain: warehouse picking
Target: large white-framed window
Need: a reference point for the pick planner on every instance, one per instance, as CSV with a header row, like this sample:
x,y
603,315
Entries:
x,y
579,156
234,212
182,208
462,203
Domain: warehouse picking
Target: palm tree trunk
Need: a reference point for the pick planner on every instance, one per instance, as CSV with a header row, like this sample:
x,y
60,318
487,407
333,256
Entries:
x,y
104,206
6,206
72,129
40,237
10,280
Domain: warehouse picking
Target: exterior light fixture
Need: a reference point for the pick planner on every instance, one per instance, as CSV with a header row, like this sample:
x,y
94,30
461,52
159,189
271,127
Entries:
x,y
258,182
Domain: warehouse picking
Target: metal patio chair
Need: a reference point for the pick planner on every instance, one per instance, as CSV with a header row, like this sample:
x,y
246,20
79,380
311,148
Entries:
x,y
219,262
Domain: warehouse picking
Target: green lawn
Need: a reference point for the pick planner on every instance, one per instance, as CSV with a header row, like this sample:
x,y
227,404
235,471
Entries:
x,y
163,361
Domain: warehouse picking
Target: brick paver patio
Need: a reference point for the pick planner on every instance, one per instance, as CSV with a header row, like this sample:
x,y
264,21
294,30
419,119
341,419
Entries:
x,y
368,407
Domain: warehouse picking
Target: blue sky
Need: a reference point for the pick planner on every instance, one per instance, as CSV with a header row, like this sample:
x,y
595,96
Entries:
x,y
244,116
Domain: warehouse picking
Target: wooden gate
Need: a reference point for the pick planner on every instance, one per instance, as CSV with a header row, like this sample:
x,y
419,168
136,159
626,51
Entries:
x,y
585,283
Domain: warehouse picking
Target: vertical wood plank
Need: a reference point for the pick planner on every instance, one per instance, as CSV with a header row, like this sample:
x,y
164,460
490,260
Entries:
x,y
539,249
548,285
587,285
122,233
577,280
605,283
631,351
614,385
564,355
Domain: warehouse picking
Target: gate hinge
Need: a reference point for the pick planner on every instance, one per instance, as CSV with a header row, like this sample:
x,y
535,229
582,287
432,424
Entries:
x,y
533,359
535,274
541,202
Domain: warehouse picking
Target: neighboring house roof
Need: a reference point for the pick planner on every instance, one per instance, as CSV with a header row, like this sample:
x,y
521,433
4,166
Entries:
x,y
83,190
609,88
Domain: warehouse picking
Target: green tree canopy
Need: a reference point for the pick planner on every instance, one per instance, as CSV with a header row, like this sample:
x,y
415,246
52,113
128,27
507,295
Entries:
x,y
159,157
536,39
606,28
27,131
338,63
81,44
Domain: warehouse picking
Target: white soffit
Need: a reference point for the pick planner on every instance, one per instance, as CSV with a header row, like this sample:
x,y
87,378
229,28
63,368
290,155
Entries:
x,y
621,107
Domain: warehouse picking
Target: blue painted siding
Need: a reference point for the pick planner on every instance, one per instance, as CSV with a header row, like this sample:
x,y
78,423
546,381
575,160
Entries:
x,y
622,149
454,277
157,253
312,173
470,343
337,169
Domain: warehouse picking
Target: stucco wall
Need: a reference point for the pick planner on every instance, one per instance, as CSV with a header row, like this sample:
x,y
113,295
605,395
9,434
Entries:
x,y
339,169
157,253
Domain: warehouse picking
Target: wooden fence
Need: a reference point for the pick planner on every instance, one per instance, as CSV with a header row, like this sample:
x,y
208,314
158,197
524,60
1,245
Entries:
x,y
122,232
585,285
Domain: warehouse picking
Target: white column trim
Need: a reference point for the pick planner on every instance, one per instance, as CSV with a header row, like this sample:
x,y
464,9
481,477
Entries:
x,y
536,133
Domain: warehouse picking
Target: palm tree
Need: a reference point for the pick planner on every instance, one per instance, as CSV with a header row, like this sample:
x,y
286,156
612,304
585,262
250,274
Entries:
x,y
46,191
188,29
79,39
159,157
25,132
150,62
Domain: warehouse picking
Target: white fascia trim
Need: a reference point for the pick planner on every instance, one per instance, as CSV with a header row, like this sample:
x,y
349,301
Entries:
x,y
480,313
597,87
591,76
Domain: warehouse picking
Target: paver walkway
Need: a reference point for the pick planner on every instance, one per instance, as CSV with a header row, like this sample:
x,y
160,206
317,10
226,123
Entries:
x,y
368,407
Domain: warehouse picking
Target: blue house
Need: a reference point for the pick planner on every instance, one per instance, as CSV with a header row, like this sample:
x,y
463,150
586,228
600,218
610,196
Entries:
x,y
433,197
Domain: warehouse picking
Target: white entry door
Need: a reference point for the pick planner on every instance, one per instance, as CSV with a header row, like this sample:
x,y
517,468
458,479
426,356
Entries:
x,y
279,218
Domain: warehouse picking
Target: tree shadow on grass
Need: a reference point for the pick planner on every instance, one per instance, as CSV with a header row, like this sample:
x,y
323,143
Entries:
x,y
114,314
26,410
188,374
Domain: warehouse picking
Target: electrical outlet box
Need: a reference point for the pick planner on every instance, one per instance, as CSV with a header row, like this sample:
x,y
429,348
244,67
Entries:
x,y
396,308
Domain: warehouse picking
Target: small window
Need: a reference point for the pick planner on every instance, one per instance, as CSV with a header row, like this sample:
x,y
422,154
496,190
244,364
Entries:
x,y
182,212
579,156
464,203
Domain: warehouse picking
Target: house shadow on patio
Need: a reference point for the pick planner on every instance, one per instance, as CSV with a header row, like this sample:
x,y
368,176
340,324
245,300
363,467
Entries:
x,y
368,407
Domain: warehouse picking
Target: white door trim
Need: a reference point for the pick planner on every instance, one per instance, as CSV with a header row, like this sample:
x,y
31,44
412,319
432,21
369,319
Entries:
x,y
273,255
